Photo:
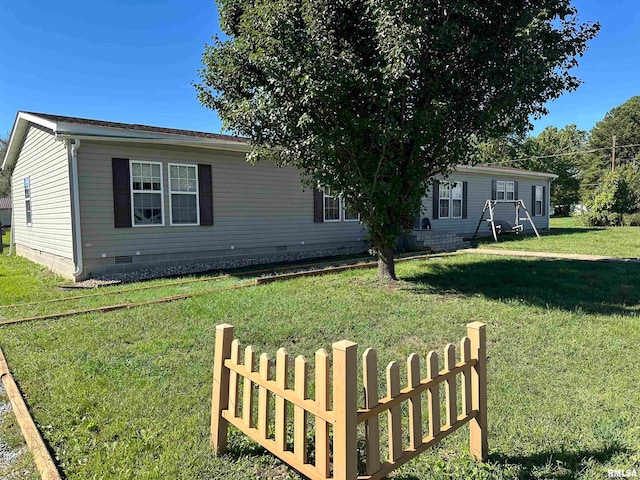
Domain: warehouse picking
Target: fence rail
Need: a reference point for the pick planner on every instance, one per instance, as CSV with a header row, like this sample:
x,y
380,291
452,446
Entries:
x,y
335,422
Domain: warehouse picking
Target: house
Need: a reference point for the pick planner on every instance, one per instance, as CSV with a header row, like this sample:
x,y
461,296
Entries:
x,y
5,211
94,197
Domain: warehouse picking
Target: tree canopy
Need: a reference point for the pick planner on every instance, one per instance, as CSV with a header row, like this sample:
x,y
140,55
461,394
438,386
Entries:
x,y
373,98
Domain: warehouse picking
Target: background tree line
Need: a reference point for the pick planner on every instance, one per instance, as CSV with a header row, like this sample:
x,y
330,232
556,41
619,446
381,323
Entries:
x,y
596,181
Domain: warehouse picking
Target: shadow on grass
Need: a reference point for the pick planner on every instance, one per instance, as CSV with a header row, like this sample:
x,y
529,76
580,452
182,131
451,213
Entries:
x,y
554,232
600,288
558,465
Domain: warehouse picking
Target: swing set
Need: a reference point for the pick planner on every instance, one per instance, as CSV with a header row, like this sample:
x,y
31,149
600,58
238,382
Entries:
x,y
499,227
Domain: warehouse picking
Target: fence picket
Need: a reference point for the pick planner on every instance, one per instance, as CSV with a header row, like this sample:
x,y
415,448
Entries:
x,y
415,402
247,387
372,426
465,354
322,401
345,409
220,394
476,332
263,398
451,391
282,372
233,378
299,413
434,395
394,415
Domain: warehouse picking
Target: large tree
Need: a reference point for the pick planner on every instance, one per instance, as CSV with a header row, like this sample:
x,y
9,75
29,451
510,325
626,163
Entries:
x,y
373,98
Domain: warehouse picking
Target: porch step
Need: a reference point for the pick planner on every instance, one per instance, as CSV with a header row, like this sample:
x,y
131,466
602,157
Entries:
x,y
435,241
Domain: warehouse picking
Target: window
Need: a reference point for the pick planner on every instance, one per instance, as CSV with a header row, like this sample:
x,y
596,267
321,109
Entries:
x,y
337,209
146,194
183,191
450,201
350,213
331,206
27,199
505,190
539,198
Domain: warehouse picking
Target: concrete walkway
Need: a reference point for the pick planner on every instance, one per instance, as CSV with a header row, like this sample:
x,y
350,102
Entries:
x,y
563,256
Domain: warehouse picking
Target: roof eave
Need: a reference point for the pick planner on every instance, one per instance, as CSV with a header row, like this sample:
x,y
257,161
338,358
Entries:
x,y
516,173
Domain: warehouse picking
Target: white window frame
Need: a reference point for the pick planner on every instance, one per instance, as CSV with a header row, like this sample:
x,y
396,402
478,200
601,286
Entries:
x,y
504,188
326,195
445,187
161,192
344,211
510,189
450,187
456,186
540,193
342,208
501,188
28,204
172,193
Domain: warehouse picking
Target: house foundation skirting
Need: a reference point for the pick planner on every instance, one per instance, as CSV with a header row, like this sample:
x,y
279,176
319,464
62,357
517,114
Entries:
x,y
216,259
59,265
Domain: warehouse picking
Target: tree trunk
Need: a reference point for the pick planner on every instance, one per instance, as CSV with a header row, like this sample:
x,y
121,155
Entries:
x,y
386,264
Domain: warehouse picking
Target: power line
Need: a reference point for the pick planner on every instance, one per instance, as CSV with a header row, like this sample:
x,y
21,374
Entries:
x,y
576,152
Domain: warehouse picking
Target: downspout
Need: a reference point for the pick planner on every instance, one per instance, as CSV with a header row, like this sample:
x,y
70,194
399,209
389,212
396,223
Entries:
x,y
12,240
77,236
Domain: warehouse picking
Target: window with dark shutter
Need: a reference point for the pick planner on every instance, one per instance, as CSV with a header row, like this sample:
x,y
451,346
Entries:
x,y
205,194
121,192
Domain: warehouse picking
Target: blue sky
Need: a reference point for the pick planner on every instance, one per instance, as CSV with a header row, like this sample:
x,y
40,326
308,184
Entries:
x,y
134,61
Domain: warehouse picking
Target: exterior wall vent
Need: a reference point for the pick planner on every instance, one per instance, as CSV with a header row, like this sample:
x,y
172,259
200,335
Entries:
x,y
282,248
123,259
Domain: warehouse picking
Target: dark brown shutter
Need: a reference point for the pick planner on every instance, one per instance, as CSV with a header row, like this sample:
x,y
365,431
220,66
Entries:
x,y
533,200
494,190
205,194
515,191
465,194
121,192
436,200
318,207
544,201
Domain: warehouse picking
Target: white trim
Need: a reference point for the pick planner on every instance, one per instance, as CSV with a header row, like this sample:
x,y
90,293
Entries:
x,y
28,212
450,185
171,193
535,201
503,171
161,193
324,208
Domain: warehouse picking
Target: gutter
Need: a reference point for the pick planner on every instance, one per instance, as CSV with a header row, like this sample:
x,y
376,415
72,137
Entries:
x,y
75,198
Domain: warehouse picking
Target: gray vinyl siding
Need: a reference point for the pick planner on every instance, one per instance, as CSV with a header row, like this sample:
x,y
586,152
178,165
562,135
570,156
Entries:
x,y
254,206
45,161
479,191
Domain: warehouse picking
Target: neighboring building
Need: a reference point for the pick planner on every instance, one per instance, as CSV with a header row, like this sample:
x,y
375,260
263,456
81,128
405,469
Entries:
x,y
94,197
5,211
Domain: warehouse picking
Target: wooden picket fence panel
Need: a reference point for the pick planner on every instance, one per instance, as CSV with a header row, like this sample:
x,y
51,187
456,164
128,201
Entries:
x,y
336,422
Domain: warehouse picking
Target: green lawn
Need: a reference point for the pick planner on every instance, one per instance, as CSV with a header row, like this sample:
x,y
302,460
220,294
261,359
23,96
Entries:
x,y
127,394
565,236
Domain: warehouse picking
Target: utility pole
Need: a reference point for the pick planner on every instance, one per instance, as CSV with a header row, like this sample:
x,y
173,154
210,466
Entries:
x,y
613,155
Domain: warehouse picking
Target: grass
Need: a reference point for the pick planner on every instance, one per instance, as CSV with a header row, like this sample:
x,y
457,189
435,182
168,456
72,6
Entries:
x,y
127,394
566,236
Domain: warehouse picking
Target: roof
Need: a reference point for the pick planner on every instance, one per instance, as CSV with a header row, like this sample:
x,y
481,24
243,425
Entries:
x,y
64,128
75,128
5,202
136,127
486,168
